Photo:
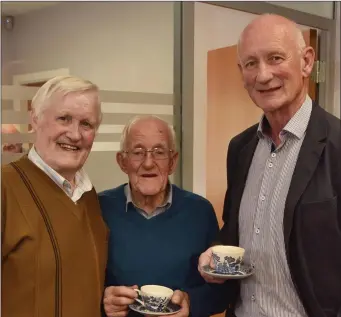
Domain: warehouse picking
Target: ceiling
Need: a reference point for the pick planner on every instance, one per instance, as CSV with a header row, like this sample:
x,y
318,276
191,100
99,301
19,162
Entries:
x,y
21,7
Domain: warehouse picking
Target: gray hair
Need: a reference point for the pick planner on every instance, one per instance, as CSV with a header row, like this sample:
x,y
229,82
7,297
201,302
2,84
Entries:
x,y
134,120
62,85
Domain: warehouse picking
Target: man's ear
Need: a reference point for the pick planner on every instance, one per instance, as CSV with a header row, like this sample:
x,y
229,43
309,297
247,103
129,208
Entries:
x,y
173,162
121,161
34,120
240,68
308,58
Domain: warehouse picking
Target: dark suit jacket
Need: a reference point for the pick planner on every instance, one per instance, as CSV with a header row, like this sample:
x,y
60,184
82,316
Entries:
x,y
312,217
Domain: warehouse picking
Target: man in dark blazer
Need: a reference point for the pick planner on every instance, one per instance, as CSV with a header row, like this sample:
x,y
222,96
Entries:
x,y
284,184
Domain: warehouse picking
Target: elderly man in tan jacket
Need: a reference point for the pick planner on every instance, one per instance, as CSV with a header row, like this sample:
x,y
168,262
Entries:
x,y
54,241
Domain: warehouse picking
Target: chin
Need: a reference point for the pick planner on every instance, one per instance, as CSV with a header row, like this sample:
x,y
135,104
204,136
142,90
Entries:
x,y
269,105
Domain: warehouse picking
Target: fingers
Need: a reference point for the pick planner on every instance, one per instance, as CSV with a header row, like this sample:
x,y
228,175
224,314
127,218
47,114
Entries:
x,y
117,314
116,300
207,259
178,297
182,299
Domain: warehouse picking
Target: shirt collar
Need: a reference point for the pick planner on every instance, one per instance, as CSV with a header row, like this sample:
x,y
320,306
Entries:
x,y
166,204
296,126
82,180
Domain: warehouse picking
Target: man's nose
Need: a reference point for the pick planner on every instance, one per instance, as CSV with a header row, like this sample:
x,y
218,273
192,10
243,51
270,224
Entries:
x,y
264,73
148,160
73,132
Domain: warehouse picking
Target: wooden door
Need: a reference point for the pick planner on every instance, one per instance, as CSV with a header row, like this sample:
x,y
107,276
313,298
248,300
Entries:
x,y
29,102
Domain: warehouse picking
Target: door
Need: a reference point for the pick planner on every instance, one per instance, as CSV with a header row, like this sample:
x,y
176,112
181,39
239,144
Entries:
x,y
229,111
29,102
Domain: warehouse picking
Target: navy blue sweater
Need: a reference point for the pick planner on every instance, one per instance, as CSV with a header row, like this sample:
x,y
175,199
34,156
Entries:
x,y
165,249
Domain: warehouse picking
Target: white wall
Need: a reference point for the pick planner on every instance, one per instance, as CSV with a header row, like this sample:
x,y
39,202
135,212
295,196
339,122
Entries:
x,y
6,56
321,8
120,46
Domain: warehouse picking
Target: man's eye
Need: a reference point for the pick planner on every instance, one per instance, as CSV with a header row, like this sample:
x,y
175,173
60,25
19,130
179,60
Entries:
x,y
87,124
275,58
159,151
138,152
64,118
250,64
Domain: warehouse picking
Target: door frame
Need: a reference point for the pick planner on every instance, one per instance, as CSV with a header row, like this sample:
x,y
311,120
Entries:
x,y
30,78
184,16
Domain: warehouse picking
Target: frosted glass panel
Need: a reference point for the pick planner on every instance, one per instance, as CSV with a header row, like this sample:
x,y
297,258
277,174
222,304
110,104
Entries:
x,y
125,48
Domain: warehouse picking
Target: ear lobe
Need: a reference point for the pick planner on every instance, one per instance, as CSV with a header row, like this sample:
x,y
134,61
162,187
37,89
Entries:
x,y
173,162
121,162
34,120
308,56
240,67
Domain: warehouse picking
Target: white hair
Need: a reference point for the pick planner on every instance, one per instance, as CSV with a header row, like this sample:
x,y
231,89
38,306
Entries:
x,y
62,85
134,120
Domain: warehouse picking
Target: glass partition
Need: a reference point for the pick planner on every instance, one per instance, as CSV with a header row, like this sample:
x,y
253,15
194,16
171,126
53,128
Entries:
x,y
126,48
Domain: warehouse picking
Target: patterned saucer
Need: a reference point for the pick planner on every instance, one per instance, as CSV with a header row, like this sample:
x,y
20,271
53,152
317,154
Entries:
x,y
170,309
245,271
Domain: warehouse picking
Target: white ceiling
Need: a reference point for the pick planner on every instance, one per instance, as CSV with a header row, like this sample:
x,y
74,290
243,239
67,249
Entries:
x,y
21,7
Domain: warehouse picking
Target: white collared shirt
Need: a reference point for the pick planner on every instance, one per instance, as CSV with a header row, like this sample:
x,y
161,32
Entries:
x,y
159,210
82,180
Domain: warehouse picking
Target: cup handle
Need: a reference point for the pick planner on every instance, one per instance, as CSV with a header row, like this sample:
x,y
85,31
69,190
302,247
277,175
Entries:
x,y
139,300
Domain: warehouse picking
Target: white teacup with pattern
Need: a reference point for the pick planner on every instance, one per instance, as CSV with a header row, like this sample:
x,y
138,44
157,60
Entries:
x,y
227,259
154,297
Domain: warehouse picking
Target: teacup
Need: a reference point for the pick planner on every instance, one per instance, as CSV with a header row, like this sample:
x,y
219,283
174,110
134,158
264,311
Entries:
x,y
227,259
154,297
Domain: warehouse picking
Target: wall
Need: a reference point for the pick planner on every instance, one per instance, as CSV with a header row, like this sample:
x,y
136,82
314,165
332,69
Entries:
x,y
120,46
321,8
214,27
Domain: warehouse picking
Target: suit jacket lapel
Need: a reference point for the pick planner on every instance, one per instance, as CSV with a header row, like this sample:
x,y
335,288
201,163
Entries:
x,y
243,166
307,161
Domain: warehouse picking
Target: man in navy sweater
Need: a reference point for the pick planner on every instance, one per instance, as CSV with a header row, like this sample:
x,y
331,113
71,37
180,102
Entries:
x,y
157,230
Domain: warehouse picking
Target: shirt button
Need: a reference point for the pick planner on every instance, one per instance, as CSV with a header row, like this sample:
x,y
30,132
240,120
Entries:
x,y
257,231
271,165
253,298
262,197
273,154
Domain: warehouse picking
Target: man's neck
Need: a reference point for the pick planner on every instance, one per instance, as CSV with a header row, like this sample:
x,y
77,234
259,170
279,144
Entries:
x,y
149,203
69,176
279,119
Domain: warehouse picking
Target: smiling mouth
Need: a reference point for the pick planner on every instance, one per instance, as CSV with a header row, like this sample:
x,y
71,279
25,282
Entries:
x,y
264,91
149,175
68,147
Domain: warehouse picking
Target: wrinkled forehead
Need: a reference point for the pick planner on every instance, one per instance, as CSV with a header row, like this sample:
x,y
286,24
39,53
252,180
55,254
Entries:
x,y
261,39
86,102
149,132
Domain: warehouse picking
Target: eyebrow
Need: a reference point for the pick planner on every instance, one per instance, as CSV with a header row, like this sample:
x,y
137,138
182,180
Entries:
x,y
158,145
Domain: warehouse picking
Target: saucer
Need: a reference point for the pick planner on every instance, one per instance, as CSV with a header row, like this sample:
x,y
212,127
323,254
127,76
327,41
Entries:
x,y
245,271
170,309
